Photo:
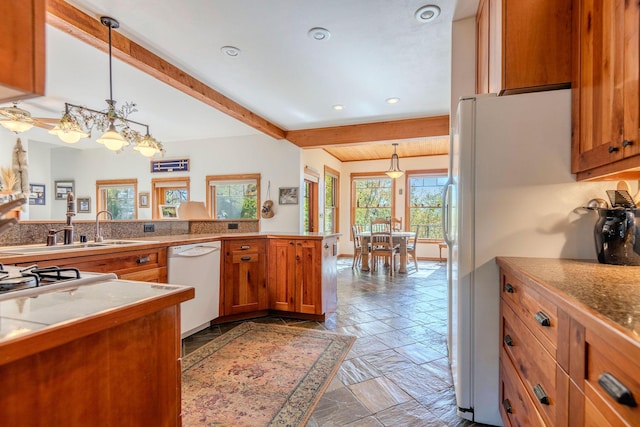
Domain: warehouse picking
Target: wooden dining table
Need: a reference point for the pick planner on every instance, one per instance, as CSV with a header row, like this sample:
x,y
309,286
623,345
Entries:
x,y
399,237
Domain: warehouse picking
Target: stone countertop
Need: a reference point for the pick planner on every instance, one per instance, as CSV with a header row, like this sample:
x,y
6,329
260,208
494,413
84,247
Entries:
x,y
152,242
609,291
50,317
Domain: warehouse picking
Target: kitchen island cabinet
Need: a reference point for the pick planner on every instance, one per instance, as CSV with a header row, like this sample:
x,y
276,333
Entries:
x,y
99,354
244,285
302,275
147,265
570,352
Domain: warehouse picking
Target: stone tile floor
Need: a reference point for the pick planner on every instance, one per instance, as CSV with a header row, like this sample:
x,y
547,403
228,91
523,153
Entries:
x,y
397,373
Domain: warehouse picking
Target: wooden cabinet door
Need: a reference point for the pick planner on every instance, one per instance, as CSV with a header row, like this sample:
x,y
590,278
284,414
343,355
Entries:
x,y
523,46
22,49
605,81
282,274
308,264
245,287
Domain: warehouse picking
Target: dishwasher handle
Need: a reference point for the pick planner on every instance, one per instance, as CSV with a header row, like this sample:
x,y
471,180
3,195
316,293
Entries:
x,y
197,251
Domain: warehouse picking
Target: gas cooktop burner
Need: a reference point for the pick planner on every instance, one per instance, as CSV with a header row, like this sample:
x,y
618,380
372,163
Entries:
x,y
15,278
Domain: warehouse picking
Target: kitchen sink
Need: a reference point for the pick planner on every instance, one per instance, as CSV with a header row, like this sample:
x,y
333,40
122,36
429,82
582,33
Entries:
x,y
35,249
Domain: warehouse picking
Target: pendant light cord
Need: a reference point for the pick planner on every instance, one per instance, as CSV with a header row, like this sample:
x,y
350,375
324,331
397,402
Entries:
x,y
110,69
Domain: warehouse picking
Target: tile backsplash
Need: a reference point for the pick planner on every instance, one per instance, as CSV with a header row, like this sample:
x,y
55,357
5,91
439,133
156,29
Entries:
x,y
34,232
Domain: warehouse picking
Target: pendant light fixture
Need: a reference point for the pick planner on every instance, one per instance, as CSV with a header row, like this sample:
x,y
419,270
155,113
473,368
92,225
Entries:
x,y
114,122
394,171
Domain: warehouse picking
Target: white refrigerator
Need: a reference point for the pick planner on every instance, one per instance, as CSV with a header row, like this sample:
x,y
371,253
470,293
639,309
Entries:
x,y
510,193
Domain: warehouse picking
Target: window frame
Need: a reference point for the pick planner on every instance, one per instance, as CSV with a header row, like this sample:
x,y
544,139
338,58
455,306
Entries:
x,y
370,175
232,177
117,183
407,199
160,185
336,199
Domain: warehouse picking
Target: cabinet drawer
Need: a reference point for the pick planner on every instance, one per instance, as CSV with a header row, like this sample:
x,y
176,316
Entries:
x,y
248,245
538,313
237,257
606,361
537,368
516,407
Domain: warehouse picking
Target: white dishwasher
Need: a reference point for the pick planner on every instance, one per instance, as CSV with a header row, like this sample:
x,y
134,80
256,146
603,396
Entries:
x,y
196,265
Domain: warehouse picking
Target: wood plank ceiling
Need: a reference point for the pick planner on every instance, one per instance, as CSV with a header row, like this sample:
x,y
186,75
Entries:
x,y
67,18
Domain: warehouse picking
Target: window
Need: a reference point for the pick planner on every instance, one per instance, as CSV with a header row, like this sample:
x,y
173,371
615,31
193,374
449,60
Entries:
x,y
168,191
424,202
119,197
371,197
331,199
310,200
233,196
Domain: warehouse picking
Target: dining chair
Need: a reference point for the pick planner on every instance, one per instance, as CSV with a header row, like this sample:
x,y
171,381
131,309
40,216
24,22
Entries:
x,y
396,224
411,246
357,246
382,244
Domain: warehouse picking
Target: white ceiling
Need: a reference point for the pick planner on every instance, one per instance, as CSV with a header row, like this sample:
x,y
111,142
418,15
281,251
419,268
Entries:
x,y
377,50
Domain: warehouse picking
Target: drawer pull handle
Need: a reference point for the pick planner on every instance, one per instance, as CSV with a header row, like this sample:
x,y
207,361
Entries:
x,y
616,389
245,247
245,258
508,288
613,149
143,260
627,143
540,394
543,319
508,341
507,406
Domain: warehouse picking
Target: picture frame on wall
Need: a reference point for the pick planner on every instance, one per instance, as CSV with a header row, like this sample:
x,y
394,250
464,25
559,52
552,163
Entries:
x,y
63,188
84,205
168,211
37,194
288,195
143,200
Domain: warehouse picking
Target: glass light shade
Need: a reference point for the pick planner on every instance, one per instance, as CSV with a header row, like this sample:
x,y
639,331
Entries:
x,y
68,130
147,146
394,171
112,139
16,126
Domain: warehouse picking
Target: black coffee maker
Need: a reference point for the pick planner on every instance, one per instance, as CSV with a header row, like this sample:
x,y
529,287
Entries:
x,y
617,231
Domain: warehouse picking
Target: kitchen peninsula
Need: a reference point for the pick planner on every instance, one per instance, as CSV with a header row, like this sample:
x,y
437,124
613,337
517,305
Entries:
x,y
92,354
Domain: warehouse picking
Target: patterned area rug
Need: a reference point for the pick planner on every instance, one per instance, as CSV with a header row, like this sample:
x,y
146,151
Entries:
x,y
260,375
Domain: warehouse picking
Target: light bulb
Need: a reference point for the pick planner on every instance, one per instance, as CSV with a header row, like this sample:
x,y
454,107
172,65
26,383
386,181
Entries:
x,y
112,139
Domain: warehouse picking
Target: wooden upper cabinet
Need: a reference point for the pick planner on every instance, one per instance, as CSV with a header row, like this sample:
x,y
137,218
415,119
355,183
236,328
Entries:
x,y
523,46
605,96
22,49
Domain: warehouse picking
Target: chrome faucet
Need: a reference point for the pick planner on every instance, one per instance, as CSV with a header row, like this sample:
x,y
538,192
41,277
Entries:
x,y
99,237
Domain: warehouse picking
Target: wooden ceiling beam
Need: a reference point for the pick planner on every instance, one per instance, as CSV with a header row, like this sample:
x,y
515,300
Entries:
x,y
369,132
71,20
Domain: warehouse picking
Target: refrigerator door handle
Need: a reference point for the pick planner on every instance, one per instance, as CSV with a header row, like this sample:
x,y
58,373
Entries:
x,y
445,212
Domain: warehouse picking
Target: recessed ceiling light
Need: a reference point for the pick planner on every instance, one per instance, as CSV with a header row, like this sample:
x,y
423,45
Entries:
x,y
338,107
427,13
230,51
392,100
319,34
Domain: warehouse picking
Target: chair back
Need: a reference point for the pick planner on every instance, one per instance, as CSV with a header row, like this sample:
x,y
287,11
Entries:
x,y
414,241
381,234
380,225
396,224
357,239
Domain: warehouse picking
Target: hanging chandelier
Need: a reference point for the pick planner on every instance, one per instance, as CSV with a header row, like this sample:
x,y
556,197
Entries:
x,y
394,171
117,129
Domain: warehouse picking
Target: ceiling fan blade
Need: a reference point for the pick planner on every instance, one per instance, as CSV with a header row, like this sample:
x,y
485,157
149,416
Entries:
x,y
47,120
38,123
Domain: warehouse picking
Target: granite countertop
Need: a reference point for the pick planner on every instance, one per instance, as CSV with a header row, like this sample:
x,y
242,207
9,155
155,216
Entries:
x,y
64,305
611,291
